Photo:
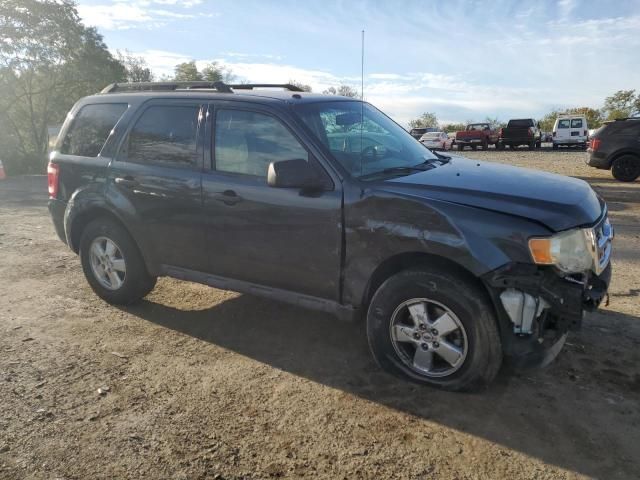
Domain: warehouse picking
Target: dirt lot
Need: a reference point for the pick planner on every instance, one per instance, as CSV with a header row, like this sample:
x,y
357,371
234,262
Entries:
x,y
211,384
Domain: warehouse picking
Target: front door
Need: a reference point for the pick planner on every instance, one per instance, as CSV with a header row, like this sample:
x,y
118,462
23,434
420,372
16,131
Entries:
x,y
157,182
278,237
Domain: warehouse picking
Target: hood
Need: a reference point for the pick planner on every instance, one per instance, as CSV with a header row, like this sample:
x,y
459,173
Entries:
x,y
556,201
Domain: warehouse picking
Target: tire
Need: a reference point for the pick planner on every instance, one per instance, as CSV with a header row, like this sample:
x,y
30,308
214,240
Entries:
x,y
499,146
555,146
532,145
626,168
474,147
126,286
485,145
538,145
467,307
460,147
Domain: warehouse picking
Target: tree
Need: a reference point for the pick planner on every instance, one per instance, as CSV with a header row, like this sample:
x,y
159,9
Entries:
x,y
344,90
187,72
454,127
48,60
621,104
427,119
214,72
302,86
136,68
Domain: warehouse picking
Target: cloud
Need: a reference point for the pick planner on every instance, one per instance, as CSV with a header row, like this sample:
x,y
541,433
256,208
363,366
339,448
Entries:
x,y
124,15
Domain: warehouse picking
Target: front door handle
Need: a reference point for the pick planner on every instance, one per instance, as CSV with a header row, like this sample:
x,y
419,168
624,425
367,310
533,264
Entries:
x,y
228,197
126,181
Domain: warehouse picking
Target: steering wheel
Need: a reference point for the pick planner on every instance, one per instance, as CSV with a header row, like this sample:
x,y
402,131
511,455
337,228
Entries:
x,y
370,152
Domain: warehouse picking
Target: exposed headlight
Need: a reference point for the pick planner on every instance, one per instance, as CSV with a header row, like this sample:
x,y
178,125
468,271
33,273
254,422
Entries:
x,y
569,251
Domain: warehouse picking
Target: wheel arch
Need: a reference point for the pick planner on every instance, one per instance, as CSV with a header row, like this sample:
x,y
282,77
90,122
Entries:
x,y
623,151
407,260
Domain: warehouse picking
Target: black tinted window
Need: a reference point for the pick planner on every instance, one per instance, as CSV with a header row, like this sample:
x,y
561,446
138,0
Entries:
x,y
91,128
246,142
520,123
165,134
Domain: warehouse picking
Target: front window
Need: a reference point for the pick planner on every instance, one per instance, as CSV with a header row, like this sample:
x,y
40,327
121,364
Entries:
x,y
362,139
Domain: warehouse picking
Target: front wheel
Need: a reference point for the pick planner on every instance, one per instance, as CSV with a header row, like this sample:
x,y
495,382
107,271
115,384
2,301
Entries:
x,y
112,263
626,168
434,328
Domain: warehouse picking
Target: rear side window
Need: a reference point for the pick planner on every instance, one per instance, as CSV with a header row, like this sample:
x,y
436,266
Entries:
x,y
246,142
91,128
576,123
165,134
564,123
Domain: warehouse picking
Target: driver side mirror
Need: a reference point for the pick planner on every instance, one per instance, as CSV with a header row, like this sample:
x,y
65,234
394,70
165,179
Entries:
x,y
297,173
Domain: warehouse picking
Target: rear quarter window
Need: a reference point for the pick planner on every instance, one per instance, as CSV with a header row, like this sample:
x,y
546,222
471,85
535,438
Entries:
x,y
90,129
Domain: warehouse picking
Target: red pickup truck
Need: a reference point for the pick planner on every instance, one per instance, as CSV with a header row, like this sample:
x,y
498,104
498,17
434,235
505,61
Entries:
x,y
477,135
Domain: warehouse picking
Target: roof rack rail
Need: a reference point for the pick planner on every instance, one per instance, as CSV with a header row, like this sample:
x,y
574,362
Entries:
x,y
251,86
165,87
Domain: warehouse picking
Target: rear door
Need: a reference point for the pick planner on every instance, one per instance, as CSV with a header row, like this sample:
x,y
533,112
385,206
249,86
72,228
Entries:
x,y
277,237
156,181
563,132
578,130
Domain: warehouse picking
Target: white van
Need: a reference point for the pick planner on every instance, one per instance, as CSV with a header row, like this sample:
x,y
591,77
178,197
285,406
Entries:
x,y
570,130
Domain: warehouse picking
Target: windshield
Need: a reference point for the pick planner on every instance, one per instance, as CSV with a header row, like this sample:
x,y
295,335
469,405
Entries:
x,y
361,138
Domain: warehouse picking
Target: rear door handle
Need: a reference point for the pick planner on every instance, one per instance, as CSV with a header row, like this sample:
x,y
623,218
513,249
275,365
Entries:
x,y
126,181
228,197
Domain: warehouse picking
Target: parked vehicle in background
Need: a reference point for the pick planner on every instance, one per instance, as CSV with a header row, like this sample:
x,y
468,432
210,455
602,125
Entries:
x,y
437,141
616,147
418,132
453,264
547,137
477,135
525,131
570,131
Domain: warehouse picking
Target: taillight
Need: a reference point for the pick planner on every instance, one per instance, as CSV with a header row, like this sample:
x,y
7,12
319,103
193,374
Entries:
x,y
53,177
530,133
595,144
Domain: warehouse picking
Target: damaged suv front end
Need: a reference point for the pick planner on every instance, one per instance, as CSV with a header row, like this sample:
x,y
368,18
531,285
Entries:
x,y
540,301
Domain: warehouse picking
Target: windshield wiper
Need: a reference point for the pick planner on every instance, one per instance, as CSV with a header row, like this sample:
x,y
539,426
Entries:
x,y
399,169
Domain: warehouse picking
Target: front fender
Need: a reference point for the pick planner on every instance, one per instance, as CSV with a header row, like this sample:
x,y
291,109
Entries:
x,y
381,227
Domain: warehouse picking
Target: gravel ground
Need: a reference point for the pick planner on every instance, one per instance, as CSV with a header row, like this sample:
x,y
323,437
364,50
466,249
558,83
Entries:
x,y
200,383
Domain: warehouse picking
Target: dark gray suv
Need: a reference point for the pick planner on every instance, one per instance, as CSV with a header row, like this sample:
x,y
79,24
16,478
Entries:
x,y
325,202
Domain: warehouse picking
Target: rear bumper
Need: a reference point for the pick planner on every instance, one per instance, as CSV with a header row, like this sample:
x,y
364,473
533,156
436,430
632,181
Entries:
x,y
597,160
570,141
470,141
56,209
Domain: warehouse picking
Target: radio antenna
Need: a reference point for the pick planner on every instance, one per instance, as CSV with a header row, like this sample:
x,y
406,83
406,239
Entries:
x,y
361,99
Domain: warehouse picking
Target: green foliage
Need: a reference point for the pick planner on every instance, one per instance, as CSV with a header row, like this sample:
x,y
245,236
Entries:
x,y
453,127
427,119
213,72
621,104
48,60
343,90
136,68
187,72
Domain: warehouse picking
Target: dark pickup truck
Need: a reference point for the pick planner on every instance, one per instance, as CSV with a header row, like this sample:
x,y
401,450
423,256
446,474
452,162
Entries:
x,y
326,203
477,135
520,132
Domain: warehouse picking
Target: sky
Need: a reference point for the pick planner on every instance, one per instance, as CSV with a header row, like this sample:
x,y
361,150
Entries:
x,y
462,60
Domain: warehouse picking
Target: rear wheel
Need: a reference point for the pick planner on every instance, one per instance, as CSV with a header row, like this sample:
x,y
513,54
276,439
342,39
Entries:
x,y
555,146
434,328
626,168
532,145
460,147
112,263
499,146
485,145
474,147
538,144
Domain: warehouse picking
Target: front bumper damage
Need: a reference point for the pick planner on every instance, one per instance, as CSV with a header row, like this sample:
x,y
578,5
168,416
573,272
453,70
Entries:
x,y
537,307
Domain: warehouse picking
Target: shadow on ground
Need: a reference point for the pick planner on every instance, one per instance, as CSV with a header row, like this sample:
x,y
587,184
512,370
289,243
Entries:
x,y
527,412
